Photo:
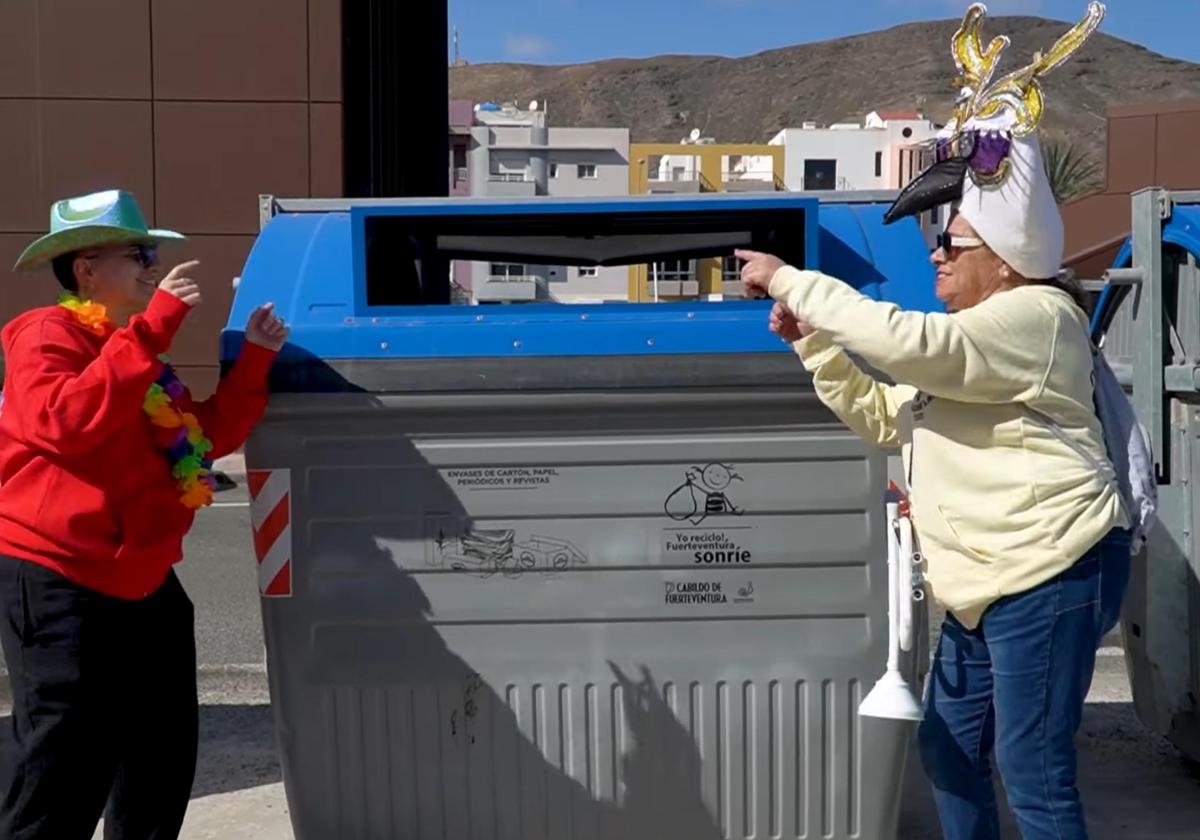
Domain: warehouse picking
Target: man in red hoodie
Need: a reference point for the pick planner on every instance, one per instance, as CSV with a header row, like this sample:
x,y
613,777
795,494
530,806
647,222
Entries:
x,y
104,460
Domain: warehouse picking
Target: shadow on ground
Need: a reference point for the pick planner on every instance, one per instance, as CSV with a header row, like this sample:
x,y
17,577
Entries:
x,y
237,749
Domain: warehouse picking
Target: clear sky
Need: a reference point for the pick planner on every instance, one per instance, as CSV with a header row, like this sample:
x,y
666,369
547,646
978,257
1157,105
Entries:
x,y
570,31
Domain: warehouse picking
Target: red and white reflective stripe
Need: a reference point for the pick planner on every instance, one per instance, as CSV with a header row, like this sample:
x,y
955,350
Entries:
x,y
271,521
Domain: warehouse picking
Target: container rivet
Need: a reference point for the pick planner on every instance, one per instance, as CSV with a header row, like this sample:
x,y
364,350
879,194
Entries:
x,y
383,345
517,344
650,342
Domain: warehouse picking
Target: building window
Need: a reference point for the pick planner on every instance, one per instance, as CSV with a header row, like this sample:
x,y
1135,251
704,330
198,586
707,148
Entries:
x,y
587,171
586,271
554,170
731,270
879,164
820,174
935,215
907,133
673,271
510,169
507,272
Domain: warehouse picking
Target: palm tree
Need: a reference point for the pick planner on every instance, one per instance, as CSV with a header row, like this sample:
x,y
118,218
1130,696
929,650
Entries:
x,y
1071,171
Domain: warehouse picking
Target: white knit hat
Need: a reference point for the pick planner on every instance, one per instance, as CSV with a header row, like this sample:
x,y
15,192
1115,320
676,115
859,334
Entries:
x,y
988,157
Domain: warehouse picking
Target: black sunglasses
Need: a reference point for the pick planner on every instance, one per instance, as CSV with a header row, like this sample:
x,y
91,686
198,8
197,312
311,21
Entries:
x,y
950,241
145,255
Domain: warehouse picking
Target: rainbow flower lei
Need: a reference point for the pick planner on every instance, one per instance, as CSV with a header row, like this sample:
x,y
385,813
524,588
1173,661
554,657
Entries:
x,y
176,431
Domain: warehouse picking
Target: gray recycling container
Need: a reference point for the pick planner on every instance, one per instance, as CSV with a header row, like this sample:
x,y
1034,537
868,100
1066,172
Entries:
x,y
566,572
1151,335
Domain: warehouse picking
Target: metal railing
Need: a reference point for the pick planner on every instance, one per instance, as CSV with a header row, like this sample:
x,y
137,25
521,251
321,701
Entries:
x,y
766,174
685,176
510,177
512,278
824,184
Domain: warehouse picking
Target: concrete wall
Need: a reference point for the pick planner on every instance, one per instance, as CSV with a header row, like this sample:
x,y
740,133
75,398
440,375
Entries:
x,y
854,150
196,108
612,172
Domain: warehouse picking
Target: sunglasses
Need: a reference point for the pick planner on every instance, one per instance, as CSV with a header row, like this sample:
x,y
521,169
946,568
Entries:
x,y
144,255
949,241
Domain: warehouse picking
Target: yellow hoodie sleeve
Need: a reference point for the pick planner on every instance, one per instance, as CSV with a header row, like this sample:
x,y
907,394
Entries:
x,y
868,407
996,352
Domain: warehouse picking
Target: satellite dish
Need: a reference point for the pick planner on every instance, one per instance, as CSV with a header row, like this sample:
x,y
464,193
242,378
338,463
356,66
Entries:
x,y
533,106
694,135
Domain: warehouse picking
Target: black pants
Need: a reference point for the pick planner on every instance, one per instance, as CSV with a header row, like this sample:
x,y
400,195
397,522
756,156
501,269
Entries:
x,y
104,709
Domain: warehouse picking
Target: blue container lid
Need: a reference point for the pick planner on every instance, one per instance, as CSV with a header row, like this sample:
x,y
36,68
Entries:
x,y
311,264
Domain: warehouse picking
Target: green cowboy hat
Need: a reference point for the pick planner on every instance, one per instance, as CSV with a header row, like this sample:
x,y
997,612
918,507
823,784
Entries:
x,y
104,218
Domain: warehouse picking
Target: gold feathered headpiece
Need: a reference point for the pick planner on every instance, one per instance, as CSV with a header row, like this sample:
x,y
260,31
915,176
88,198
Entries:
x,y
978,141
1019,91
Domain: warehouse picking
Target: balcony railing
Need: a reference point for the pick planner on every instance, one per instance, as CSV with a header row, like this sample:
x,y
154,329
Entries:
x,y
818,184
507,287
509,177
513,279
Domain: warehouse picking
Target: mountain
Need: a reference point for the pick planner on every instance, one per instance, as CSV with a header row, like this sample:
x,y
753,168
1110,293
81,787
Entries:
x,y
749,99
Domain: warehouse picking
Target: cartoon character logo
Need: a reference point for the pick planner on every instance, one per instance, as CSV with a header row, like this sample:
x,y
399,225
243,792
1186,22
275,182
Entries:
x,y
703,494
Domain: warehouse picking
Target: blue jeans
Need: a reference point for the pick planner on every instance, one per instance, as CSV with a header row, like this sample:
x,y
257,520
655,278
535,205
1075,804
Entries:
x,y
1017,684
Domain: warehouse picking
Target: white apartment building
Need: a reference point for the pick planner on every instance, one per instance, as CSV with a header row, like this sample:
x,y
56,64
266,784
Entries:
x,y
514,154
883,152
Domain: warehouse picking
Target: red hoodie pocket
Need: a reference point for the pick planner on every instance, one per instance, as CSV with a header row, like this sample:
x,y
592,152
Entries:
x,y
74,513
153,521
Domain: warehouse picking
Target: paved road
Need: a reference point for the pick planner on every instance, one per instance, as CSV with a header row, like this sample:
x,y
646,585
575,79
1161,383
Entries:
x,y
220,575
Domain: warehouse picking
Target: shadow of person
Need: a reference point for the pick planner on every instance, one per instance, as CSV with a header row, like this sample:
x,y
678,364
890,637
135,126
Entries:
x,y
386,731
663,782
394,721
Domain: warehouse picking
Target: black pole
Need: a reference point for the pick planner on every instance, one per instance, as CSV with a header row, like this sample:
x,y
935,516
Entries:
x,y
396,88
395,131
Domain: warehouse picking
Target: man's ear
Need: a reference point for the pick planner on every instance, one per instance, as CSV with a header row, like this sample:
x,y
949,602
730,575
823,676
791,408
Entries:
x,y
84,279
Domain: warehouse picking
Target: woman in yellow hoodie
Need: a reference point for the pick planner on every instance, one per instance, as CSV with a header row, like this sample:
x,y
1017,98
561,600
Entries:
x,y
1026,542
